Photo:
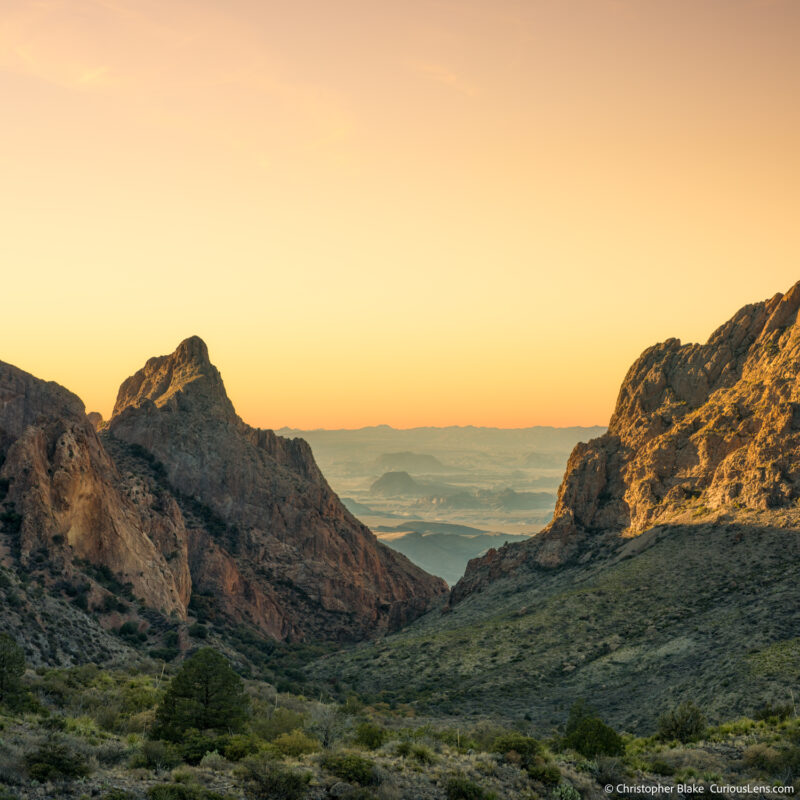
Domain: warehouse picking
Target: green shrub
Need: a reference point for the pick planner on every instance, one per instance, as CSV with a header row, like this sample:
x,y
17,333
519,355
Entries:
x,y
403,748
370,735
543,770
661,767
268,780
239,746
295,744
12,668
156,755
281,720
462,788
685,723
114,794
566,791
351,768
198,631
55,760
524,747
424,755
774,712
197,743
592,737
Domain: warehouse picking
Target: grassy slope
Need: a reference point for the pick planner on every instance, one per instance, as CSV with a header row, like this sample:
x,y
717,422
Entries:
x,y
706,612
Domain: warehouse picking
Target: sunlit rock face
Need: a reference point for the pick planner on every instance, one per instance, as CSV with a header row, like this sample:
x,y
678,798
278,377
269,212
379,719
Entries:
x,y
698,430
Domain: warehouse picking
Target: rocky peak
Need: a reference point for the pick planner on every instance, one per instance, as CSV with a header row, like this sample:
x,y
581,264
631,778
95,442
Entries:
x,y
186,377
699,430
289,557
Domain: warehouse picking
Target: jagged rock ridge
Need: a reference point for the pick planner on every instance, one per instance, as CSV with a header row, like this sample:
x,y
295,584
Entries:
x,y
698,430
179,498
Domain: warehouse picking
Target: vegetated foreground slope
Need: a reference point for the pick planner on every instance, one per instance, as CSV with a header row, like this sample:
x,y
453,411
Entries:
x,y
175,503
705,611
669,570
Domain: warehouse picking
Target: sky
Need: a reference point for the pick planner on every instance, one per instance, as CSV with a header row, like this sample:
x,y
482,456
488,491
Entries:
x,y
417,213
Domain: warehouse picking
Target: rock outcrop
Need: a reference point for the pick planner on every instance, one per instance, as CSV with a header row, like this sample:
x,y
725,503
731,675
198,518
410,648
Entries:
x,y
63,498
178,498
275,547
698,430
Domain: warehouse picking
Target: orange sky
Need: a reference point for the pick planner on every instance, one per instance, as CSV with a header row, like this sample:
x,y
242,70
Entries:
x,y
410,213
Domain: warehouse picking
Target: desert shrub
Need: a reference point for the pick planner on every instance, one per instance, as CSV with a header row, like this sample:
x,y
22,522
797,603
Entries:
x,y
198,631
608,770
423,755
352,768
370,735
12,765
761,757
118,794
543,770
239,746
213,761
516,748
403,748
55,759
281,720
777,712
197,743
661,767
462,788
295,744
566,791
268,780
685,723
156,755
591,737
111,752
12,668
778,763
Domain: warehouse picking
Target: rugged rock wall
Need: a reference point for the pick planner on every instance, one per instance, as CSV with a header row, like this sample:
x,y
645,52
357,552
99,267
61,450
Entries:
x,y
289,557
63,497
697,430
180,498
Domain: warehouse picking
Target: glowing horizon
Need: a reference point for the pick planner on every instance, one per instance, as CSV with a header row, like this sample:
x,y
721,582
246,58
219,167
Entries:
x,y
433,213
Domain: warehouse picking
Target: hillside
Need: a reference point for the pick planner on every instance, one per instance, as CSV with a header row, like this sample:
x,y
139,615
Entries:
x,y
669,569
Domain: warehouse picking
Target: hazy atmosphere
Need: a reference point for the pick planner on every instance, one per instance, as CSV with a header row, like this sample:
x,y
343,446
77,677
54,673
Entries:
x,y
426,213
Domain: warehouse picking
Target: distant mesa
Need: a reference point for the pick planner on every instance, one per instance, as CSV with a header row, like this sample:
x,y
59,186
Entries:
x,y
547,460
420,463
501,500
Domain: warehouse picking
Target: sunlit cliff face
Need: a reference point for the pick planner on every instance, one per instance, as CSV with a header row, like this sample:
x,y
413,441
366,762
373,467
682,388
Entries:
x,y
417,213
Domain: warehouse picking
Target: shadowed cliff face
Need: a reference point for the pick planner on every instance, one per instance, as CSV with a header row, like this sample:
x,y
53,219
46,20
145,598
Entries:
x,y
698,430
285,555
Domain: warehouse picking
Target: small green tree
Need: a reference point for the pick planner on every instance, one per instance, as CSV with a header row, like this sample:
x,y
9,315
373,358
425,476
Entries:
x,y
206,694
12,668
684,723
592,737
